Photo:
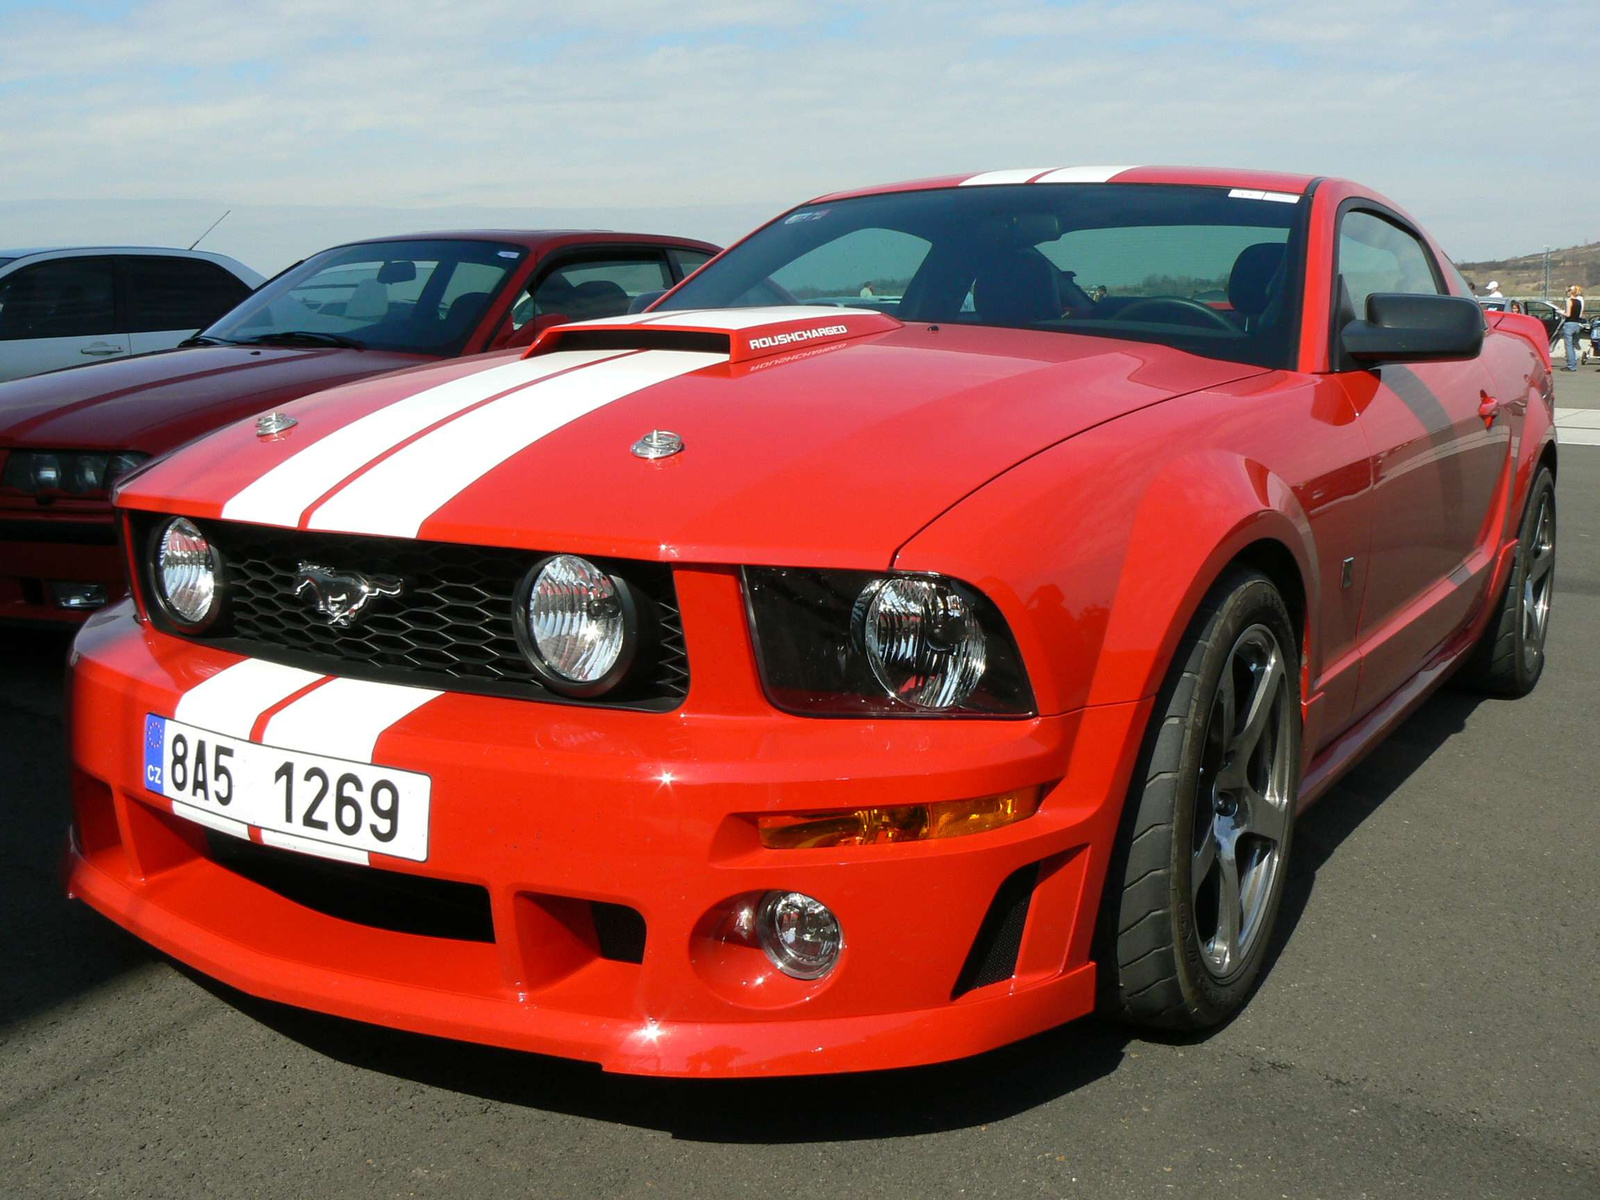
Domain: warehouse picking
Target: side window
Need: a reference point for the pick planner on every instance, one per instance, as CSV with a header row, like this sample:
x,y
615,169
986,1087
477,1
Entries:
x,y
177,293
69,297
1376,255
590,288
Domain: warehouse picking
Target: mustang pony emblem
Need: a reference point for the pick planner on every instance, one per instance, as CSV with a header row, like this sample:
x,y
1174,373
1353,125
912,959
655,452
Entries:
x,y
341,596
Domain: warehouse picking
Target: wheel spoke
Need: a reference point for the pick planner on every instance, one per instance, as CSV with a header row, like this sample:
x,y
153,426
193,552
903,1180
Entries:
x,y
1264,818
1268,683
1229,905
1204,861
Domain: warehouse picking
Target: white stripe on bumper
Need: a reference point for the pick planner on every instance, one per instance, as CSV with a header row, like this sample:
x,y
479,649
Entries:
x,y
343,718
231,700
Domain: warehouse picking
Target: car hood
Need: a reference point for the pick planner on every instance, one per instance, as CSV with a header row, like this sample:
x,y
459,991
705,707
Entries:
x,y
810,437
155,401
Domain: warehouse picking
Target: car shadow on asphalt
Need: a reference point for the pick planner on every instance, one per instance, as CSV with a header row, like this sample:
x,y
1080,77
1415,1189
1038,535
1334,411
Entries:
x,y
1320,831
975,1091
53,948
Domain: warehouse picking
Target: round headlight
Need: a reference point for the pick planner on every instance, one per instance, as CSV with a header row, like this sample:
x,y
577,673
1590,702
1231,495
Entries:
x,y
799,934
578,620
922,639
186,572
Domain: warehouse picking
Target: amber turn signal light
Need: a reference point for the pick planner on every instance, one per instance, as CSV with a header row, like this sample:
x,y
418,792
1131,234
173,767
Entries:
x,y
900,823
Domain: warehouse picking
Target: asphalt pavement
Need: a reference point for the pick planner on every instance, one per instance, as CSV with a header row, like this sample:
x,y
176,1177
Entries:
x,y
1428,1025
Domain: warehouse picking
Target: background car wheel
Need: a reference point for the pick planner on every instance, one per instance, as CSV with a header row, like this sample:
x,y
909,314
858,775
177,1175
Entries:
x,y
1194,889
1510,658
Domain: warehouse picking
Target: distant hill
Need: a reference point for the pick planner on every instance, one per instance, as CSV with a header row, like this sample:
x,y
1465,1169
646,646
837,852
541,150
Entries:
x,y
1525,276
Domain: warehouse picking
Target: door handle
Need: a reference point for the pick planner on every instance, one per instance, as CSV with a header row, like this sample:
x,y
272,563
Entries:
x,y
100,350
1488,409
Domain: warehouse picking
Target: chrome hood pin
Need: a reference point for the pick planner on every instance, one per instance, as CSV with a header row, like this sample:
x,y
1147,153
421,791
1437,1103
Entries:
x,y
658,443
270,425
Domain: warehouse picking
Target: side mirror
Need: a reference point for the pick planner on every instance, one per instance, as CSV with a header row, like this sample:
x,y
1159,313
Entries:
x,y
1405,328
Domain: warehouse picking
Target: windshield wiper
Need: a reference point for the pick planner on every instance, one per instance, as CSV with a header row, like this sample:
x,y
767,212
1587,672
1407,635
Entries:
x,y
203,339
304,337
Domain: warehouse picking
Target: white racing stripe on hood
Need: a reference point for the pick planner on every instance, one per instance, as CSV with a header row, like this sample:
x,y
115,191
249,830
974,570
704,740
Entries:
x,y
397,495
288,489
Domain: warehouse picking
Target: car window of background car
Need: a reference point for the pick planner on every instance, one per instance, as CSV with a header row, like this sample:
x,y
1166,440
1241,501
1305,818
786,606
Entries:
x,y
387,296
177,293
690,261
591,288
1376,255
1198,268
67,297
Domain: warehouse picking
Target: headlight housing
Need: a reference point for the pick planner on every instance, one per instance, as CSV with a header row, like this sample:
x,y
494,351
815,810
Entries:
x,y
873,643
73,472
578,625
186,574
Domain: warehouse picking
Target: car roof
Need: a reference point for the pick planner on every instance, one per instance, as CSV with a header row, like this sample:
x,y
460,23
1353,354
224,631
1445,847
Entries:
x,y
1262,181
533,238
91,249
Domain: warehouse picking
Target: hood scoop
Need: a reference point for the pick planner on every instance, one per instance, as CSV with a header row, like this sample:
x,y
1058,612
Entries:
x,y
742,334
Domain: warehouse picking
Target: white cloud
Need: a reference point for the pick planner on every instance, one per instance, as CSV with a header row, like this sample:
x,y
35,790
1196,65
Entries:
x,y
656,103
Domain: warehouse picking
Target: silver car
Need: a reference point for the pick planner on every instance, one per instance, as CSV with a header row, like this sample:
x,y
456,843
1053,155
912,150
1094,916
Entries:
x,y
65,306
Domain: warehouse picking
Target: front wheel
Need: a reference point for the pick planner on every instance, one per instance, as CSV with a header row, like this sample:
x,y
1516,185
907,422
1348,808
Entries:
x,y
1201,864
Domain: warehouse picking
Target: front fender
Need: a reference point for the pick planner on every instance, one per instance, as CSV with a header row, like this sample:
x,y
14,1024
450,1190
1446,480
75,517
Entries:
x,y
1100,550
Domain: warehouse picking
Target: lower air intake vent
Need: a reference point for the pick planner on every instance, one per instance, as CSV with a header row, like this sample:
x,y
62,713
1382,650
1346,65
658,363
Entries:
x,y
368,896
621,932
993,956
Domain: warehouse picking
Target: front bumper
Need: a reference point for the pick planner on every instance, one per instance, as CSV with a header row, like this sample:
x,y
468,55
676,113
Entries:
x,y
550,809
38,551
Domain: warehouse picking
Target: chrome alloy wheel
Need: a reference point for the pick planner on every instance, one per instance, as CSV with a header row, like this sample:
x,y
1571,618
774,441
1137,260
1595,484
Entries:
x,y
1538,580
1241,811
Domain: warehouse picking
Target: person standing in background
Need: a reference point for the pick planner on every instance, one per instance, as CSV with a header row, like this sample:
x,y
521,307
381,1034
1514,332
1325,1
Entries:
x,y
1572,326
1494,290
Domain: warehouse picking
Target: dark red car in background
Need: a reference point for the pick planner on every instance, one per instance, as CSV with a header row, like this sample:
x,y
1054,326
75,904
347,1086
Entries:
x,y
347,313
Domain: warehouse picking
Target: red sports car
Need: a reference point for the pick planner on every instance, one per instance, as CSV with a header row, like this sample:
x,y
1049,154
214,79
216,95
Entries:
x,y
755,686
345,314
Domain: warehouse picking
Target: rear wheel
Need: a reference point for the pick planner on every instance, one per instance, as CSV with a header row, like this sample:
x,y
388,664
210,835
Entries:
x,y
1510,658
1199,873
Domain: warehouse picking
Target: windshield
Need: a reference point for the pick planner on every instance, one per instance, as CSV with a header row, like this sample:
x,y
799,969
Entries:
x,y
425,297
1204,269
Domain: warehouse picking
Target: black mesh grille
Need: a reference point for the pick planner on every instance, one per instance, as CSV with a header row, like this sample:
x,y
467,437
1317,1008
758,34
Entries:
x,y
451,627
993,956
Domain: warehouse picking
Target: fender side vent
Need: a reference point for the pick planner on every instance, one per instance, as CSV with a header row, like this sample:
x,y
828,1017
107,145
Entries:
x,y
993,957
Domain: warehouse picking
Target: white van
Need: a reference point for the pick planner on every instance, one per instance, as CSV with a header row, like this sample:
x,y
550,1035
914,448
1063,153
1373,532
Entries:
x,y
63,307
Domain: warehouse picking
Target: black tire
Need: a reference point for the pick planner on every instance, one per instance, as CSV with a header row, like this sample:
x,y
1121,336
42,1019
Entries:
x,y
1509,658
1158,967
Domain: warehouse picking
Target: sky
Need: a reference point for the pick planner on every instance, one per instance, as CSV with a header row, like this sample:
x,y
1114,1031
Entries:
x,y
316,121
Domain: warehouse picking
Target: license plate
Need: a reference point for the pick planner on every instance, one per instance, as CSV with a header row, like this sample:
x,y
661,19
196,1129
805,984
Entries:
x,y
353,805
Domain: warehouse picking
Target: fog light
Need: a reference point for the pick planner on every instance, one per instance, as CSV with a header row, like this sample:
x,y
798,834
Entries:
x,y
899,823
800,935
77,596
